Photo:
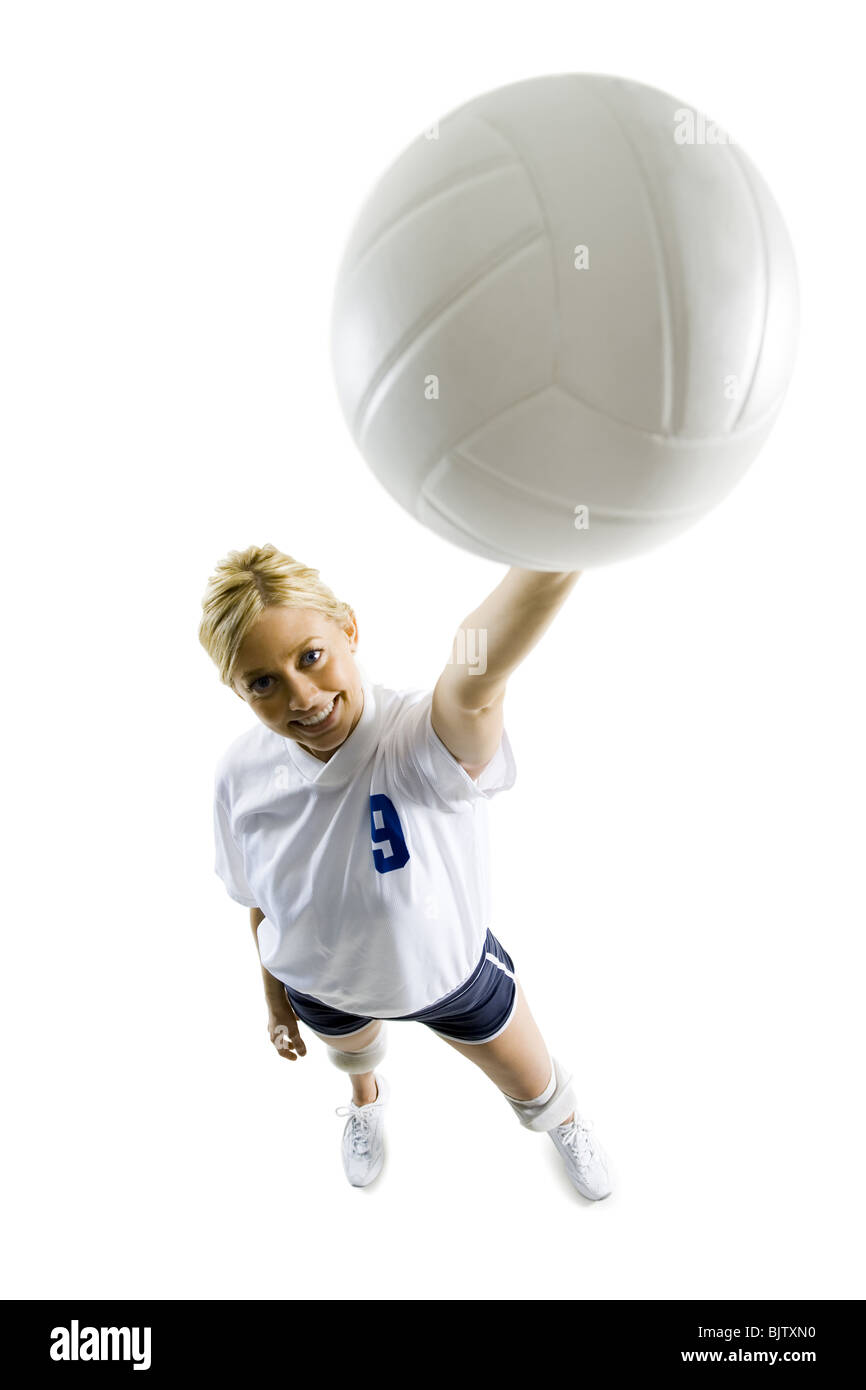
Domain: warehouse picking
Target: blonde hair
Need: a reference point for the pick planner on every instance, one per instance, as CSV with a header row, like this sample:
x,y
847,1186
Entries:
x,y
244,584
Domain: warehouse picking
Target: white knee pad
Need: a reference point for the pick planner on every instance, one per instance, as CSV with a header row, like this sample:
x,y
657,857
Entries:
x,y
551,1112
366,1060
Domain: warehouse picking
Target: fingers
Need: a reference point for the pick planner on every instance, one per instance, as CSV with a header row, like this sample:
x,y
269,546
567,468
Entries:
x,y
295,1040
282,1040
288,1041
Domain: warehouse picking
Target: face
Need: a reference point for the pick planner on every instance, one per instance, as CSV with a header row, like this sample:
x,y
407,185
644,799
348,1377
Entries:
x,y
290,666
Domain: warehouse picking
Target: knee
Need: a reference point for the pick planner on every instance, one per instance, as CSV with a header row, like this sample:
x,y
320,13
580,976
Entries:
x,y
364,1058
550,1108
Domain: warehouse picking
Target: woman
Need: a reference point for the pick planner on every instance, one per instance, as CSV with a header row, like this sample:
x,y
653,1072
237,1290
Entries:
x,y
351,820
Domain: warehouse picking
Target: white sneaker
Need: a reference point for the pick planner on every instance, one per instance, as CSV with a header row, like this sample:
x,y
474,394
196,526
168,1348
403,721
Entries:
x,y
364,1136
585,1160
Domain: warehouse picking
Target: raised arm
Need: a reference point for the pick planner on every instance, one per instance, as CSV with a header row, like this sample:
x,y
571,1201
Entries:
x,y
491,643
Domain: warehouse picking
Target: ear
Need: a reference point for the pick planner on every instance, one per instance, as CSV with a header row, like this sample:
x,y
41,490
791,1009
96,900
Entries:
x,y
351,631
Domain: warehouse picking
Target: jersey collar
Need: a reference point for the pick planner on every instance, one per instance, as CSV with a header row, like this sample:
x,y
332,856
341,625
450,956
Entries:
x,y
350,755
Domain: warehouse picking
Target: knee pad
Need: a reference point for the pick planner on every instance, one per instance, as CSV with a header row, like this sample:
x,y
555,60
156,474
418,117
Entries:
x,y
547,1114
366,1060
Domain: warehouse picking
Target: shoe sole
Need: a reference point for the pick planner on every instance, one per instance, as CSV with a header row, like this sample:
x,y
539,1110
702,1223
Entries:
x,y
373,1176
590,1196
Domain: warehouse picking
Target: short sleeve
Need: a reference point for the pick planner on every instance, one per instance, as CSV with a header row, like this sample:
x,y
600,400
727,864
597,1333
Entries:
x,y
424,770
229,864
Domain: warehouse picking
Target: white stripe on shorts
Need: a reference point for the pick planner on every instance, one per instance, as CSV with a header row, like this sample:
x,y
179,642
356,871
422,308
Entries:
x,y
497,961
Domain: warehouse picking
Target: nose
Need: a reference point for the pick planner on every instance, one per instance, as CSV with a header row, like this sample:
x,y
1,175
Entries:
x,y
301,697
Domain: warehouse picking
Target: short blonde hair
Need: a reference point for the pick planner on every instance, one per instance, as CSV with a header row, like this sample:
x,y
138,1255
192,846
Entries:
x,y
244,584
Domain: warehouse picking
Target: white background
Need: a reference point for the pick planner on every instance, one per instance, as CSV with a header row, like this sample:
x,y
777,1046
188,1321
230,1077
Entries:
x,y
678,871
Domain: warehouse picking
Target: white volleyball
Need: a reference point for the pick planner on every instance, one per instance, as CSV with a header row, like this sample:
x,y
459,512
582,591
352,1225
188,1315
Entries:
x,y
565,321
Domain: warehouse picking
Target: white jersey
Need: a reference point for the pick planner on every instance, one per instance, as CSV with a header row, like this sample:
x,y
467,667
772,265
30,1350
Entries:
x,y
372,869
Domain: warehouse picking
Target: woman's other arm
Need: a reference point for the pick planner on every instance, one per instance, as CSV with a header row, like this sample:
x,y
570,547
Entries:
x,y
282,1020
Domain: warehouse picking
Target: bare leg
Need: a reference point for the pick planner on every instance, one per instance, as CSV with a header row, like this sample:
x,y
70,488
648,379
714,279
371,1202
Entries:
x,y
517,1061
364,1088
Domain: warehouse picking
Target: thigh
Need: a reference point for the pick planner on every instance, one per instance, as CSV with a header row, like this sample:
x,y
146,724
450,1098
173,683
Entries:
x,y
353,1042
517,1061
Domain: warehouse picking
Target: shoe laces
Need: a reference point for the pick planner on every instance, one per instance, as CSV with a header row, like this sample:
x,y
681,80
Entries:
x,y
360,1133
577,1136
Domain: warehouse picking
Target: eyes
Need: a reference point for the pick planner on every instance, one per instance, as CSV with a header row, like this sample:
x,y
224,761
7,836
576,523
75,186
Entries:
x,y
255,687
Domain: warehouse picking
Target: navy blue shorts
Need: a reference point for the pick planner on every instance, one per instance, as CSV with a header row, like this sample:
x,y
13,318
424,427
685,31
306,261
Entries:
x,y
477,1012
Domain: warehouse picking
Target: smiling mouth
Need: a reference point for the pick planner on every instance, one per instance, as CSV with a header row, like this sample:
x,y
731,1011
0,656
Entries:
x,y
319,724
